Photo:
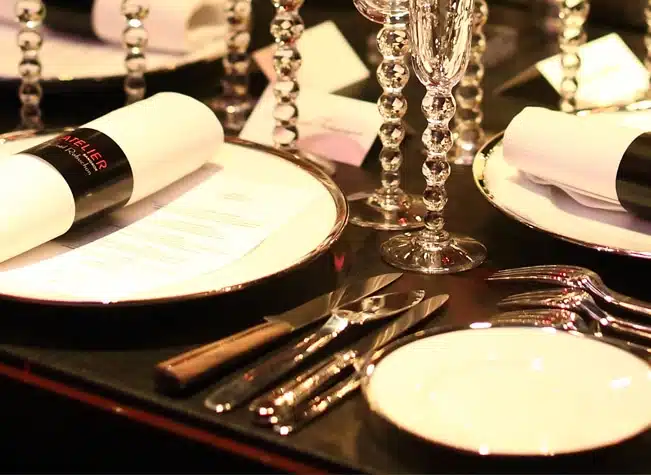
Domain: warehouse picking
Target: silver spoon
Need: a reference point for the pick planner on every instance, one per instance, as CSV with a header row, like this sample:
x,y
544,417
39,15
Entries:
x,y
243,386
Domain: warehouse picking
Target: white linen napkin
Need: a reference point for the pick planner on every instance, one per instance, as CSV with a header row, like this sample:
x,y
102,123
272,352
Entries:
x,y
163,138
174,26
580,155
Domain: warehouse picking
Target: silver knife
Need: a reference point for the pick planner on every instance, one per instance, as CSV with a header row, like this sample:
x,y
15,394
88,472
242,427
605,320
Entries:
x,y
278,406
183,370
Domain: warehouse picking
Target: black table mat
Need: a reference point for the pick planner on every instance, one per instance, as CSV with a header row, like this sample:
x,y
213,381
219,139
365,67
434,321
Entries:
x,y
112,352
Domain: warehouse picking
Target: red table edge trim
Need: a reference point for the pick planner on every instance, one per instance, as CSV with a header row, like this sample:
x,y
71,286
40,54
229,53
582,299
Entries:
x,y
160,422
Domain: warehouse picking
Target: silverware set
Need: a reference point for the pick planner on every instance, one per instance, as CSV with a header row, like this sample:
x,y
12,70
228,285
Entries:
x,y
579,291
300,398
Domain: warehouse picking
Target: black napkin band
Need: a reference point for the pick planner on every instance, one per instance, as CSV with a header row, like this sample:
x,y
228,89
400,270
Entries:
x,y
95,168
70,16
633,182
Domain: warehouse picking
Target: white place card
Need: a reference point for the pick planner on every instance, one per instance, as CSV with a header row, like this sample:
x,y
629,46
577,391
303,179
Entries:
x,y
334,127
610,73
329,62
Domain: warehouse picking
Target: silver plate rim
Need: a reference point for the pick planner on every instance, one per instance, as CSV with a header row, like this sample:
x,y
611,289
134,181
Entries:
x,y
478,169
341,220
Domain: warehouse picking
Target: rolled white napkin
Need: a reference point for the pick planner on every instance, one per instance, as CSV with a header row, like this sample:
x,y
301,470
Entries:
x,y
176,26
602,162
110,162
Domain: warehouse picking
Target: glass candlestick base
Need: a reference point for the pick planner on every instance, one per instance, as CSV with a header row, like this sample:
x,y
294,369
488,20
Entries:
x,y
420,252
387,213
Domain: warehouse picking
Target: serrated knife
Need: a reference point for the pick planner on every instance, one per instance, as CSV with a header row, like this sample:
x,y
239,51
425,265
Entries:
x,y
196,365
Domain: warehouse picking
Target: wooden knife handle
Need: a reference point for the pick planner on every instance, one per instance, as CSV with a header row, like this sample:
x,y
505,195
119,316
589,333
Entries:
x,y
181,371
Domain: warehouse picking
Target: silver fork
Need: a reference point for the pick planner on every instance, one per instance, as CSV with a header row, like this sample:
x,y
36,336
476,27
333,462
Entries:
x,y
576,278
578,301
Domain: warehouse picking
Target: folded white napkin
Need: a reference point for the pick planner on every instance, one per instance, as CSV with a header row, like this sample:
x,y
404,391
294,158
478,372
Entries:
x,y
175,26
113,161
581,155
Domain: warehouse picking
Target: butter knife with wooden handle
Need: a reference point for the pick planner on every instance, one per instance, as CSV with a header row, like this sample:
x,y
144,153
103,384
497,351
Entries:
x,y
194,366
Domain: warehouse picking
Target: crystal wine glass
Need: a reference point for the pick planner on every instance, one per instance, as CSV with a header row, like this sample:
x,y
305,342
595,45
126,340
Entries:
x,y
389,207
441,33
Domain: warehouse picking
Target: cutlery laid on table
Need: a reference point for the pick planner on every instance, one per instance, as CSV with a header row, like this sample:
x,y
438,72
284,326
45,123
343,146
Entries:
x,y
244,385
576,278
196,365
278,405
561,320
580,302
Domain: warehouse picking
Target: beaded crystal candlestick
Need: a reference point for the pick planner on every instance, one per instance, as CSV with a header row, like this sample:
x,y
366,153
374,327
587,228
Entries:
x,y
647,41
389,207
286,28
30,14
468,131
235,103
573,15
135,39
440,34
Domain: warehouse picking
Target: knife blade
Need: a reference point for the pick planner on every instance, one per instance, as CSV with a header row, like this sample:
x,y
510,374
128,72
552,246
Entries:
x,y
194,366
286,397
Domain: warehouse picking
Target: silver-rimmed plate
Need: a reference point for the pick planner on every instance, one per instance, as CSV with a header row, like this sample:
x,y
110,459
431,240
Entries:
x,y
70,60
553,211
297,239
506,390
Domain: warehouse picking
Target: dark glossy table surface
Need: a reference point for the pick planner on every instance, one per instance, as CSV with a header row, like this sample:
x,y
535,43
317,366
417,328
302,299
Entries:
x,y
77,387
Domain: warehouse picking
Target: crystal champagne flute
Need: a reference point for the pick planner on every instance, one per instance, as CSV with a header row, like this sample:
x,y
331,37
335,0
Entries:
x,y
441,33
389,207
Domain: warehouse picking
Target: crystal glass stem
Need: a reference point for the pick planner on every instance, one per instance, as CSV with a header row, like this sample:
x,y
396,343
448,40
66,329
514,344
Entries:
x,y
235,103
286,28
135,39
573,15
392,75
30,14
647,39
468,130
439,108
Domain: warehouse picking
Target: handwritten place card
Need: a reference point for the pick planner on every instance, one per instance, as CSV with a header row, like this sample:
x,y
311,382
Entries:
x,y
329,62
610,73
334,127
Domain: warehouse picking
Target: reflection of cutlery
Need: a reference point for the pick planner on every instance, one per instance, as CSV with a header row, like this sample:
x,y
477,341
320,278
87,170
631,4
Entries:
x,y
243,386
580,302
291,414
573,277
185,369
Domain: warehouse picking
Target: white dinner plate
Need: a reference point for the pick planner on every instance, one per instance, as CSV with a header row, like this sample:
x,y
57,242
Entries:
x,y
512,391
554,211
67,58
321,214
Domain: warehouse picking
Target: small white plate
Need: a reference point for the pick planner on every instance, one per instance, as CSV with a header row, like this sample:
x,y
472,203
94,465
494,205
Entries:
x,y
512,391
300,238
553,211
67,58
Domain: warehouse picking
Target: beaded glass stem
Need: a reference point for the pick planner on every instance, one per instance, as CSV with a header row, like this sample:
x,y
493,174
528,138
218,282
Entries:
x,y
135,40
30,14
573,15
286,28
235,103
389,207
647,40
468,131
441,36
